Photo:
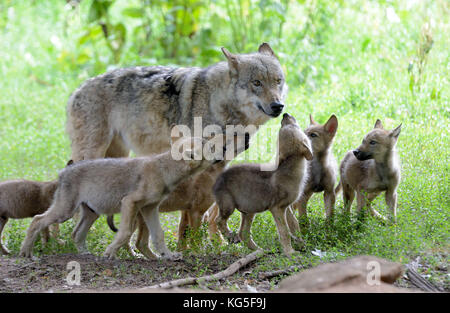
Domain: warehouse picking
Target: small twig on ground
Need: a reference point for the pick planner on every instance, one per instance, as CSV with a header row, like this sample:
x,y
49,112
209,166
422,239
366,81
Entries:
x,y
22,267
233,268
270,274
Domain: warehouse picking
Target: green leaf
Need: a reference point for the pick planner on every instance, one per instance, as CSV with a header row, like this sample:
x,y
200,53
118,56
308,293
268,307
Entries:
x,y
133,12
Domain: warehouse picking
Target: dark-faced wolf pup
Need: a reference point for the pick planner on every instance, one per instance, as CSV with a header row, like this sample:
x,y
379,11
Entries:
x,y
372,168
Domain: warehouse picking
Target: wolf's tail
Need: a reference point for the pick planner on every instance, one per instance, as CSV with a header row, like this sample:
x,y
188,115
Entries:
x,y
110,221
338,188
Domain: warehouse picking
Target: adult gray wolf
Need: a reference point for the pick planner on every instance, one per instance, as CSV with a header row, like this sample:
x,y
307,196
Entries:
x,y
370,169
134,108
135,186
246,188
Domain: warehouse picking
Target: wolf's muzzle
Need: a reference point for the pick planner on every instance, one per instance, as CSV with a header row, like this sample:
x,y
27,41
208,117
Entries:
x,y
276,108
362,156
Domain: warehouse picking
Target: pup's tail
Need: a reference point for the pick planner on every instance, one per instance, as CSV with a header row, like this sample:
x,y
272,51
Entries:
x,y
110,221
338,188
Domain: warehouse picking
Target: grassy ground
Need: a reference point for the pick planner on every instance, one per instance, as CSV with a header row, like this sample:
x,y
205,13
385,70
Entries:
x,y
359,72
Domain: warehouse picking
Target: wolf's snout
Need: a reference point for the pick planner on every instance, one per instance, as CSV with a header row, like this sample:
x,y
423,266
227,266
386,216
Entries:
x,y
276,107
361,155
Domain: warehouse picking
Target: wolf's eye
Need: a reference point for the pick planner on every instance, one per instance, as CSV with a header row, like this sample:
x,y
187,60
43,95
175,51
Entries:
x,y
256,83
312,135
372,142
278,81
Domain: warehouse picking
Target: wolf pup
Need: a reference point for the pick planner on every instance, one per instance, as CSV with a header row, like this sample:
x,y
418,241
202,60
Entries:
x,y
24,198
133,108
133,185
372,168
322,169
250,190
193,197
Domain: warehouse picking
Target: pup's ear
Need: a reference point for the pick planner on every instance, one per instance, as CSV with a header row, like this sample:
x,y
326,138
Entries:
x,y
311,120
378,124
265,48
233,61
395,132
307,152
331,125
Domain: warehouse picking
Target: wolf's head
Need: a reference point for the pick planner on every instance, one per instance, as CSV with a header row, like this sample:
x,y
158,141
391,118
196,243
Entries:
x,y
292,140
258,84
321,136
378,143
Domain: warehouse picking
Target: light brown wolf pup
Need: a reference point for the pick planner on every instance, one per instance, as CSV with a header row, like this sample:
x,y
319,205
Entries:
x,y
372,168
193,197
322,169
22,199
132,186
250,190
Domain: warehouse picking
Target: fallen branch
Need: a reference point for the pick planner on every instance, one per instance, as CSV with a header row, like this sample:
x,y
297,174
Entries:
x,y
233,268
270,274
419,281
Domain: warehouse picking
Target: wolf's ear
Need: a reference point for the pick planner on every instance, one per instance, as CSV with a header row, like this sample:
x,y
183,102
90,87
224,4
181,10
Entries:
x,y
307,152
395,132
233,61
331,125
265,48
311,120
378,124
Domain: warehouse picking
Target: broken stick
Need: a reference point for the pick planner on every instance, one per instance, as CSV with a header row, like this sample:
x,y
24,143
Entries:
x,y
233,268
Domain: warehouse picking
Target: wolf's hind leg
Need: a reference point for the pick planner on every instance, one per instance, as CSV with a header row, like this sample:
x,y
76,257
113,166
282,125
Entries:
x,y
3,221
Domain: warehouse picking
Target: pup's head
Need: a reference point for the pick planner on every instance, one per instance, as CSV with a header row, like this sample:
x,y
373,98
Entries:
x,y
292,140
378,143
258,84
321,136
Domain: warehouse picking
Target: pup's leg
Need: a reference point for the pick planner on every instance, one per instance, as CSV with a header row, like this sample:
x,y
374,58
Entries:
x,y
182,229
88,217
213,230
45,235
129,211
245,230
142,239
329,198
226,208
3,221
360,201
54,233
391,201
151,217
279,215
301,204
292,221
348,194
59,212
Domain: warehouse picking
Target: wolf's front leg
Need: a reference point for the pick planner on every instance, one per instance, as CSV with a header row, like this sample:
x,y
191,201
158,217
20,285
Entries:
x,y
129,211
151,217
391,201
279,215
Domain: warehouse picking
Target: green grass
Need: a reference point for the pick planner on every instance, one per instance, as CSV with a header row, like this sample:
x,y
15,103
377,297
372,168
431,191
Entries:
x,y
359,71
